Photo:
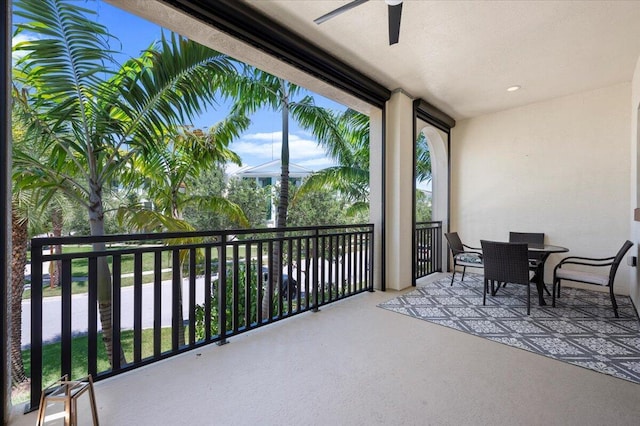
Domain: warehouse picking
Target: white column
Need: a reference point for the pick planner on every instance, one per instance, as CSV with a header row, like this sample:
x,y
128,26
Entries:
x,y
399,191
376,214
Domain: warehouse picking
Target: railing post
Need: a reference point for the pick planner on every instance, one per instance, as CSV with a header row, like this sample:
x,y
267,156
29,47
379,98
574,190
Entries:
x,y
222,290
137,308
439,244
192,297
371,254
92,344
66,315
157,303
176,308
207,294
36,325
314,260
259,283
116,313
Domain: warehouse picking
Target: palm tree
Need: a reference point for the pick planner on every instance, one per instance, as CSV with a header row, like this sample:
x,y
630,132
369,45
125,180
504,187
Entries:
x,y
96,115
29,215
166,171
19,240
165,174
349,148
28,210
423,159
256,89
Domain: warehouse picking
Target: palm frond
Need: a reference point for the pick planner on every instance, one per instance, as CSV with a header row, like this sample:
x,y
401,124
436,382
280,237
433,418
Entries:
x,y
323,124
223,206
167,87
357,208
423,159
351,182
143,219
252,89
65,62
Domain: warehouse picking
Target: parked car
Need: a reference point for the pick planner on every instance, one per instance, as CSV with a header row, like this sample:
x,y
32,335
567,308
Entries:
x,y
288,286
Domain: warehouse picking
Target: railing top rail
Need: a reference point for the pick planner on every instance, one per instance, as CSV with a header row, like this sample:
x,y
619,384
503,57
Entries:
x,y
431,224
194,234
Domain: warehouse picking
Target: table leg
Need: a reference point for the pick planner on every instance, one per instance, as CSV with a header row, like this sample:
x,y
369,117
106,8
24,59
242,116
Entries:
x,y
540,283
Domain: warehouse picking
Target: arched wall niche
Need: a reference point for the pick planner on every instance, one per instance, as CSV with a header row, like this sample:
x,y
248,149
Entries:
x,y
438,142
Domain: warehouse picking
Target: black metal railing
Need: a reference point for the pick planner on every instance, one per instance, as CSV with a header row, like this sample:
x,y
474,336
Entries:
x,y
173,292
428,248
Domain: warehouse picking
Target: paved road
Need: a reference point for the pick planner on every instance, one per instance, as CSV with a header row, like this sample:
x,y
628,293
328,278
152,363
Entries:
x,y
52,319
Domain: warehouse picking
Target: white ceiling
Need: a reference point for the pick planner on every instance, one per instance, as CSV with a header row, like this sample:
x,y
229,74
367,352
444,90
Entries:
x,y
462,55
457,55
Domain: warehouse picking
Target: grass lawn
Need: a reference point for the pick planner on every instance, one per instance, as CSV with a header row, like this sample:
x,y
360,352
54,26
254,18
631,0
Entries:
x,y
51,357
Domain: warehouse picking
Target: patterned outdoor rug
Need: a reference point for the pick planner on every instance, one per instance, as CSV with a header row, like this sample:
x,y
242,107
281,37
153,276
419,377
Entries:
x,y
580,330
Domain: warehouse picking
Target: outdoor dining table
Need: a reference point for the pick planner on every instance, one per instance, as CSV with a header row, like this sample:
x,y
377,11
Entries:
x,y
544,250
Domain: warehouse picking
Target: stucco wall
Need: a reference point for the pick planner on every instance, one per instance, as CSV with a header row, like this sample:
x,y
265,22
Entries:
x,y
561,167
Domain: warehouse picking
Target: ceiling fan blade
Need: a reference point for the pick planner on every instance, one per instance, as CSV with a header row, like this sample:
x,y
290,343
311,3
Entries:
x,y
338,11
395,14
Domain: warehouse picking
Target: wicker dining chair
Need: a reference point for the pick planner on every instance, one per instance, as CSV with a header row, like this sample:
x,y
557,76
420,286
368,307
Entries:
x,y
592,276
505,263
534,258
528,237
462,254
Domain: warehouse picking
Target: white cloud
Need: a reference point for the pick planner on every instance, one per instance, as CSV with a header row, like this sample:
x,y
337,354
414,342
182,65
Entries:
x,y
17,55
270,136
259,150
317,163
263,147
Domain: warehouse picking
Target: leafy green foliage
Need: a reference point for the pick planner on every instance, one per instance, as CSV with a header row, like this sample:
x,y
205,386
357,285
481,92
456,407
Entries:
x,y
423,207
423,159
241,303
347,145
245,193
253,200
317,208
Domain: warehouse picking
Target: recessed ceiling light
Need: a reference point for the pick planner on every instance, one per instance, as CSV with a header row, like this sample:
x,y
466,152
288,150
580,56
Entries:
x,y
513,88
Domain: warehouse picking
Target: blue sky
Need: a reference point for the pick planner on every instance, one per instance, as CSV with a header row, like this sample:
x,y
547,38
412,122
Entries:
x,y
262,141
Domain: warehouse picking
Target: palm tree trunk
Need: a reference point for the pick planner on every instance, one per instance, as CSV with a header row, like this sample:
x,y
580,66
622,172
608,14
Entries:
x,y
283,205
96,222
55,267
19,240
181,338
175,212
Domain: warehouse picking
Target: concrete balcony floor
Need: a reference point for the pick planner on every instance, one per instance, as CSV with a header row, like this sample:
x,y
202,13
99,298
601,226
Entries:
x,y
353,363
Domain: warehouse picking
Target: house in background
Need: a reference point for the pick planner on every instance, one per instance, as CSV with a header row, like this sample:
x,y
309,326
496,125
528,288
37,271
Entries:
x,y
268,174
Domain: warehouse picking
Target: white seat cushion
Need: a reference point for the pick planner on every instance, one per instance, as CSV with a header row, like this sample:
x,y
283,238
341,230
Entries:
x,y
587,277
469,259
470,264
